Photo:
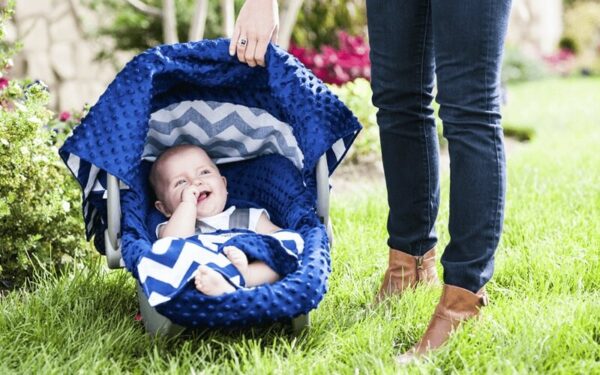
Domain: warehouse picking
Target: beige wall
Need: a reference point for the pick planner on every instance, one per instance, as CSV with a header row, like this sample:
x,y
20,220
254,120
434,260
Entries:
x,y
58,50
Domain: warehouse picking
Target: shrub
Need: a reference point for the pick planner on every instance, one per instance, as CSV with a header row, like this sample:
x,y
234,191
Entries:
x,y
62,126
561,62
582,29
319,21
569,3
337,65
40,223
518,67
357,96
135,31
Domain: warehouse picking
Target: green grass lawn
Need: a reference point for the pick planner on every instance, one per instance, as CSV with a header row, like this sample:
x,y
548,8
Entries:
x,y
544,315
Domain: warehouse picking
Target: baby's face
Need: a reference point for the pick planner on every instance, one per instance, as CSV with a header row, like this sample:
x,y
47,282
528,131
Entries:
x,y
191,166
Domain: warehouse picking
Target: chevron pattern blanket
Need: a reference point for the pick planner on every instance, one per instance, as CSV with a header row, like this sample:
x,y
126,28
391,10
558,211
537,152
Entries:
x,y
173,262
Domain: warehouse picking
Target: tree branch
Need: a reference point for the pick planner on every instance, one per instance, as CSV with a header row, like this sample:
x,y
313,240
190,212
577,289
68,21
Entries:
x,y
287,21
198,20
145,8
169,22
228,12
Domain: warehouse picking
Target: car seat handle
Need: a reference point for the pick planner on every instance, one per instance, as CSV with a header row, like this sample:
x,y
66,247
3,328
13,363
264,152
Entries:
x,y
322,173
112,234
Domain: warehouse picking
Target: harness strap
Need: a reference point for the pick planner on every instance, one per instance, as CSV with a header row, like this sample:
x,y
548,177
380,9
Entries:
x,y
240,218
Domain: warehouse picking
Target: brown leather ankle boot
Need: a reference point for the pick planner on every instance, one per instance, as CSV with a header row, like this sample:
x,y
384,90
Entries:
x,y
456,305
406,271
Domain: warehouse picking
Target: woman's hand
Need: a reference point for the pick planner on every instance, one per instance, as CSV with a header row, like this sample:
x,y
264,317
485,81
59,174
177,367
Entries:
x,y
256,26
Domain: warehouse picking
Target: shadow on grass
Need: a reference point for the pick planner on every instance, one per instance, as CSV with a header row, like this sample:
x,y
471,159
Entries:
x,y
518,132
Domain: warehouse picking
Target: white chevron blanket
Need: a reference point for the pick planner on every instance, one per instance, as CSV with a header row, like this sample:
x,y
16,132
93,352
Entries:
x,y
172,262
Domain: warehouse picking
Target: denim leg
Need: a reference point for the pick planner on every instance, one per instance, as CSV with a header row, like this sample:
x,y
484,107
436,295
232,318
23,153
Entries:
x,y
402,68
468,42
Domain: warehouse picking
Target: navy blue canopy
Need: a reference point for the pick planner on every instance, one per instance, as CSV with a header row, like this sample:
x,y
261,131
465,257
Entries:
x,y
112,137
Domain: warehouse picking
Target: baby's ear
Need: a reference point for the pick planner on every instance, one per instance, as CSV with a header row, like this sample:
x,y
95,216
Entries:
x,y
224,180
161,207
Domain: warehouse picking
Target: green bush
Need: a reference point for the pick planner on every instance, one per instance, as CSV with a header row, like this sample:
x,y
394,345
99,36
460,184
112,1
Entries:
x,y
518,67
40,219
357,96
582,30
135,31
573,2
319,21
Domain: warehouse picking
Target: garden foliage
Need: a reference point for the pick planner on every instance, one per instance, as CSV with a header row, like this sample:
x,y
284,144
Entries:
x,y
40,222
582,33
337,65
357,96
319,22
519,67
135,31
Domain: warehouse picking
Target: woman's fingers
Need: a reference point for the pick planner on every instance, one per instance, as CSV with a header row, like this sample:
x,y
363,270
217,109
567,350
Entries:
x,y
275,36
250,52
256,25
261,51
241,46
234,40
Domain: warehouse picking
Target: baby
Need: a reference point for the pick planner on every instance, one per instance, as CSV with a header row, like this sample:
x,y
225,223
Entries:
x,y
191,192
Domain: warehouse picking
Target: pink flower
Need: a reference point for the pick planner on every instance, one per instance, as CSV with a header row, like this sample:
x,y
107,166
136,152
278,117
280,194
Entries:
x,y
64,116
3,83
561,62
337,66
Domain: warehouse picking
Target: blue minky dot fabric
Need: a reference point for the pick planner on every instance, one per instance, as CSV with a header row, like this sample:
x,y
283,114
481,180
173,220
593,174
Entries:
x,y
111,140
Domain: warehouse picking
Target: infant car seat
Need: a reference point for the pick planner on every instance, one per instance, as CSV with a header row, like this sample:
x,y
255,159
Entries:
x,y
277,133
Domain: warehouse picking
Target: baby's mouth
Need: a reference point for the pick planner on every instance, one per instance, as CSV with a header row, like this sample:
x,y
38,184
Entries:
x,y
202,196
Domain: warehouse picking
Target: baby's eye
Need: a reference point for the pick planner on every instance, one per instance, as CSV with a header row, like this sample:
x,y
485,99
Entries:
x,y
179,182
205,171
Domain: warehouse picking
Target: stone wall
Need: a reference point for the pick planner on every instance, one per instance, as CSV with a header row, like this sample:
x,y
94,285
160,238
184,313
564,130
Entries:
x,y
58,49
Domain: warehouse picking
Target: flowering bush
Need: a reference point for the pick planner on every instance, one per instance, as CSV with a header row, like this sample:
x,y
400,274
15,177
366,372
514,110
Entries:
x,y
318,22
61,126
133,30
40,223
337,65
561,62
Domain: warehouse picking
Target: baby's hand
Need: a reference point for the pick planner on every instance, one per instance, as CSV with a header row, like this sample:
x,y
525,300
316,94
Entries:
x,y
190,194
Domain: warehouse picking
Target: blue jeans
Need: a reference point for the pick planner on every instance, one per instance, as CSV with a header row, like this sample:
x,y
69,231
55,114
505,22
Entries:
x,y
459,44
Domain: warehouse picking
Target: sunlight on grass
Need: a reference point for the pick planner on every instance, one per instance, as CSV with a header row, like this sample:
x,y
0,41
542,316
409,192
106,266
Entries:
x,y
545,294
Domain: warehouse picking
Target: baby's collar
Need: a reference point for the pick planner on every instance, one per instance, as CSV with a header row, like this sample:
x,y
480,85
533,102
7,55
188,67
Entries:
x,y
218,221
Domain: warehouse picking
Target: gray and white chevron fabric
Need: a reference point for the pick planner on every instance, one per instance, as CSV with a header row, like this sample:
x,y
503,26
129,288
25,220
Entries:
x,y
227,132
